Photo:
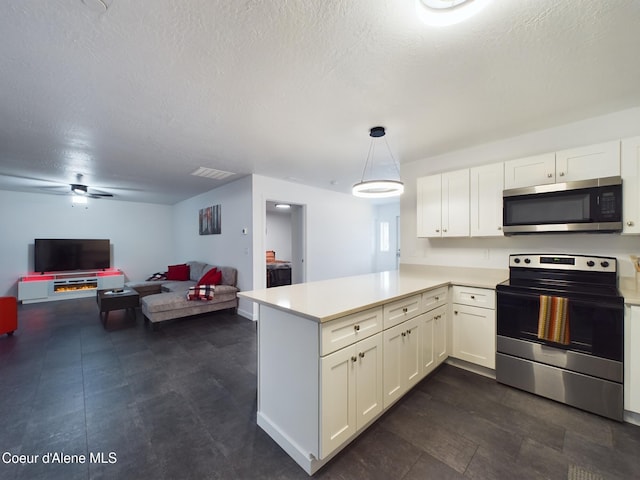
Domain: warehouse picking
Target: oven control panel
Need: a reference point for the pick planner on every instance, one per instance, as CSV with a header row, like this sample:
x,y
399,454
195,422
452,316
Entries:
x,y
564,262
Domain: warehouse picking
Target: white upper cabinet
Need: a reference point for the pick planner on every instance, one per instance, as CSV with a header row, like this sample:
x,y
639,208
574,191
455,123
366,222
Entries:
x,y
583,163
443,205
455,204
486,185
630,173
429,207
525,172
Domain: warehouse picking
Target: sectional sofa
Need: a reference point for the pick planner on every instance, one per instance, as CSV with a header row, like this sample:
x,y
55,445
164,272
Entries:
x,y
162,300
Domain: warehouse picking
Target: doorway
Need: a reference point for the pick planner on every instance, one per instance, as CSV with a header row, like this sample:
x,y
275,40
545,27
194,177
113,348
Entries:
x,y
387,230
285,242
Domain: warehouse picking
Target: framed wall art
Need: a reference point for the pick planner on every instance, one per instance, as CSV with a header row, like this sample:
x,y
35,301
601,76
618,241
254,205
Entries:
x,y
209,220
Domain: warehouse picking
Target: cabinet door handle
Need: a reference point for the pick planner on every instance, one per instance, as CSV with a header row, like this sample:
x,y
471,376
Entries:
x,y
562,174
408,332
473,297
356,328
549,175
455,312
629,224
404,334
499,228
437,230
354,358
361,354
444,230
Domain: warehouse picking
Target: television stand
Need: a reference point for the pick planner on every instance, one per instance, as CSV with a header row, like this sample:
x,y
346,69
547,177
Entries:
x,y
49,286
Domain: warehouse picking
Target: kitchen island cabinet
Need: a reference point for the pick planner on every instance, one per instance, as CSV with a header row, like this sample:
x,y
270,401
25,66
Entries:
x,y
332,355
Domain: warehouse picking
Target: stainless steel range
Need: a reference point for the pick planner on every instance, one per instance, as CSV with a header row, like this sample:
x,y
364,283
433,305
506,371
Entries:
x,y
560,330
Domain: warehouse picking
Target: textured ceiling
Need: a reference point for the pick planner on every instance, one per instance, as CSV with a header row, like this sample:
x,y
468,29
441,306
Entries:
x,y
138,96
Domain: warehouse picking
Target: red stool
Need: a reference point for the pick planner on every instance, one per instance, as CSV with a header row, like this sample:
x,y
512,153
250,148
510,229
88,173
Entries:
x,y
8,315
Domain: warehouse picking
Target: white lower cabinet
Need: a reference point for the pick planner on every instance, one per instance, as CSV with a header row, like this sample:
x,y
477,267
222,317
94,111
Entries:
x,y
441,337
351,384
632,359
474,327
433,338
402,364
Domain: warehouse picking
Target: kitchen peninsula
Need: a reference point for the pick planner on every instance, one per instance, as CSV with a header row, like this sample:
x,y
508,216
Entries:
x,y
322,375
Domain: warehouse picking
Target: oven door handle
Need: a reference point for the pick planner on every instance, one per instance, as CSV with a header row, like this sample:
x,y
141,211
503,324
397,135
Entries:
x,y
614,304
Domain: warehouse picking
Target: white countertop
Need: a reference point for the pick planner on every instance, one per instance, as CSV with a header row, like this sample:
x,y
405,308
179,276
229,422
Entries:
x,y
330,299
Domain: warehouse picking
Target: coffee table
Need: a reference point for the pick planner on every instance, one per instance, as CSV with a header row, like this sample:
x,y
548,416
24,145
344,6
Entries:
x,y
109,300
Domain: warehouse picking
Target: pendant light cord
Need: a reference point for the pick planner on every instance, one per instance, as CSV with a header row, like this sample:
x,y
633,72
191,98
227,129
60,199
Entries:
x,y
371,154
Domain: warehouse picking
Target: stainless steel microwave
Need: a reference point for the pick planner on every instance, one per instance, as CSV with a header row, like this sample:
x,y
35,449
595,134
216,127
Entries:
x,y
581,206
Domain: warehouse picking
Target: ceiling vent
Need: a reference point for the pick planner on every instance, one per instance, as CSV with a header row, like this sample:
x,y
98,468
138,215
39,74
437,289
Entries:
x,y
212,173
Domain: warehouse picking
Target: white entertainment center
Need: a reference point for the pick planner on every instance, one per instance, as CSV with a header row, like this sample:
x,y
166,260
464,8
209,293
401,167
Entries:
x,y
61,286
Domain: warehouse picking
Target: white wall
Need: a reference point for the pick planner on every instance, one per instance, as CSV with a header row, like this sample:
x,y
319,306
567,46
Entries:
x,y
339,227
231,247
485,252
278,234
140,236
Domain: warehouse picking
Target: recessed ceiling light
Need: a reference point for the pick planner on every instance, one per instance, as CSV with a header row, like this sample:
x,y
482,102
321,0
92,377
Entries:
x,y
441,13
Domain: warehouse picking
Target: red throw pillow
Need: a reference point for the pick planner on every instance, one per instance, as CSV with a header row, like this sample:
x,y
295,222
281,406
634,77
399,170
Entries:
x,y
212,277
178,272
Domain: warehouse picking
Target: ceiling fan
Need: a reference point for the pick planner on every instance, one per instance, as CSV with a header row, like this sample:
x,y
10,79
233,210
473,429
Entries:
x,y
83,190
77,188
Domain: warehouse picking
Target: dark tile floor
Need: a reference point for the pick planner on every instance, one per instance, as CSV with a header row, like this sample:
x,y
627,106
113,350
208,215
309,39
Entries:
x,y
180,403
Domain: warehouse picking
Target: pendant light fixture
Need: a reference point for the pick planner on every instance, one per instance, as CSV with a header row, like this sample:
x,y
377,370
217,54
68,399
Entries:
x,y
380,188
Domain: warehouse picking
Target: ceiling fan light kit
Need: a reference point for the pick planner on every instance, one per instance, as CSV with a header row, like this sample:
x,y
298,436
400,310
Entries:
x,y
378,188
78,189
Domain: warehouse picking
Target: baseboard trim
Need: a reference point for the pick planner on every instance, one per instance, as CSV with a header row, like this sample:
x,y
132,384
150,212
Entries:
x,y
247,314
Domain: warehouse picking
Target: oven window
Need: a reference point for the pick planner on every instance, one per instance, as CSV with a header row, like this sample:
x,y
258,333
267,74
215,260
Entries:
x,y
544,209
595,329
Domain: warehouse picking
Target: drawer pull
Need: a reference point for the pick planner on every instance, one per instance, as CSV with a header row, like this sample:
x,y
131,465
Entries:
x,y
437,298
405,309
408,332
473,297
455,312
356,328
361,354
404,334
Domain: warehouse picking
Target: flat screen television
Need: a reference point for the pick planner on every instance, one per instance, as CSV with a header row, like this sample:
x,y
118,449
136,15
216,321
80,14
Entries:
x,y
63,255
